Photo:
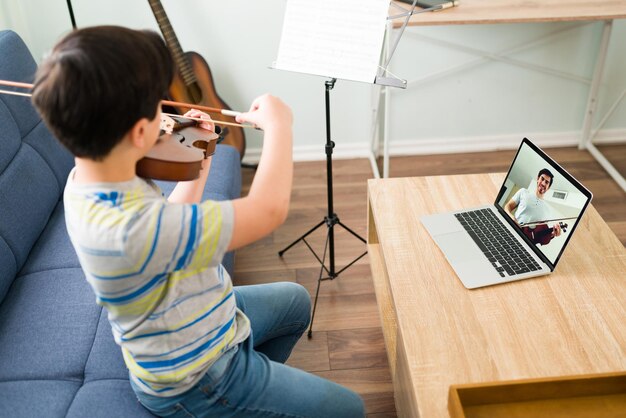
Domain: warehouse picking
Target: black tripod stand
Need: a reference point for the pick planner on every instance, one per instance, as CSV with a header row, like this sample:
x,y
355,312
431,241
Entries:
x,y
331,220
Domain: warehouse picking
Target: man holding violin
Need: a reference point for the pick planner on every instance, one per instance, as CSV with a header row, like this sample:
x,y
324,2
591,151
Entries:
x,y
194,344
527,207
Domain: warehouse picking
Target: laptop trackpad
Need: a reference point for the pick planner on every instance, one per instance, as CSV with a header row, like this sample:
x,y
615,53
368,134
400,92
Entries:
x,y
458,247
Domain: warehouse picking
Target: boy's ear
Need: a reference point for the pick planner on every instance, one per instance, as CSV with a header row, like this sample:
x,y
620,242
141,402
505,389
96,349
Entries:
x,y
137,133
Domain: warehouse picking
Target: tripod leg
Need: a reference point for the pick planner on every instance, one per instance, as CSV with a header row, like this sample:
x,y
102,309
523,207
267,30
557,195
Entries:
x,y
317,292
352,232
318,259
281,252
351,263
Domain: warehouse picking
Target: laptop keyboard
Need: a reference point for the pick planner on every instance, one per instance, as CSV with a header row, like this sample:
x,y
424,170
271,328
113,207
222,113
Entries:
x,y
503,250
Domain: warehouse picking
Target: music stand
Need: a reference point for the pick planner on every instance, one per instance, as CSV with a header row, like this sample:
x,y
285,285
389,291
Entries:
x,y
330,220
312,65
70,9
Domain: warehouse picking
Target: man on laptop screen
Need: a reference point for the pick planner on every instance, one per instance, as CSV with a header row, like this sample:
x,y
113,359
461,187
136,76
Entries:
x,y
529,208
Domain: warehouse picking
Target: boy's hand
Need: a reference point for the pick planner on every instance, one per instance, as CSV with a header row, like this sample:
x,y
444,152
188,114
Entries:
x,y
268,113
208,125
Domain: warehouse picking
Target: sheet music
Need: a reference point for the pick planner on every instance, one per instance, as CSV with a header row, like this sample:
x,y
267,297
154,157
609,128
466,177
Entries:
x,y
333,38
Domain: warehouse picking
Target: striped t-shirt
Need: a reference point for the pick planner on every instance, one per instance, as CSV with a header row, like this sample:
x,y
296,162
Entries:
x,y
155,267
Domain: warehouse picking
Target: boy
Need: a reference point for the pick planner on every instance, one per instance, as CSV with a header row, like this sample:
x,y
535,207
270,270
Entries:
x,y
194,345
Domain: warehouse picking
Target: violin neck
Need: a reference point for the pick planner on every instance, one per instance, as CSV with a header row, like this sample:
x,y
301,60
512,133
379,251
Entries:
x,y
184,67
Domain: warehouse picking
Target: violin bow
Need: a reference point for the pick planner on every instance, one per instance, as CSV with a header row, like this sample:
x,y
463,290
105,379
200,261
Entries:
x,y
15,84
548,220
217,122
209,109
224,112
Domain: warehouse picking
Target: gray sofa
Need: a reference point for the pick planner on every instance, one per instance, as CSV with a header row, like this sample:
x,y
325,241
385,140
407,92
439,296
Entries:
x,y
57,354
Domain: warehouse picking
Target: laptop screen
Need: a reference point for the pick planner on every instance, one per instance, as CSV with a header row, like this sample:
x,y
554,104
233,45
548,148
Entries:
x,y
544,201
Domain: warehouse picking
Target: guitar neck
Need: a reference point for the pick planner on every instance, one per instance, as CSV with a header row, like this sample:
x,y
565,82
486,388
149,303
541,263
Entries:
x,y
171,40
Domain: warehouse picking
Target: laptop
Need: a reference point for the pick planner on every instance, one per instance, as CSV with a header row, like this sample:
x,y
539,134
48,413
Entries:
x,y
523,233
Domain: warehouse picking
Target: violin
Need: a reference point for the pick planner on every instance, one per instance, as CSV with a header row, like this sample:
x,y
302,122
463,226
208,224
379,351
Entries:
x,y
178,153
542,233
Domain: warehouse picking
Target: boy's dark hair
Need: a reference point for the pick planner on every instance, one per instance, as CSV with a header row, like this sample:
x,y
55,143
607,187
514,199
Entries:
x,y
547,173
98,82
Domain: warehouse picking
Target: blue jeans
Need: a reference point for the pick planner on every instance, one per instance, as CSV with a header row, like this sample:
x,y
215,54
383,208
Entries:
x,y
250,380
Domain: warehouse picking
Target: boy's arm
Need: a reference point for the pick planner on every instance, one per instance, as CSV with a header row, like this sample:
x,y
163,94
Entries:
x,y
267,204
191,191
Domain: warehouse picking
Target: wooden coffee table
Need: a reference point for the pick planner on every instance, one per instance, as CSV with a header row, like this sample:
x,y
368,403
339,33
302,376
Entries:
x,y
438,333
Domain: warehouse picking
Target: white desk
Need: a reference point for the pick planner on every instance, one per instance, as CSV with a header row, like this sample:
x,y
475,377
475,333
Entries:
x,y
511,11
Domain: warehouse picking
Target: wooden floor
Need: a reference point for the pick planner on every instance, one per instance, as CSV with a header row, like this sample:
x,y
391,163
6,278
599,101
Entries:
x,y
347,345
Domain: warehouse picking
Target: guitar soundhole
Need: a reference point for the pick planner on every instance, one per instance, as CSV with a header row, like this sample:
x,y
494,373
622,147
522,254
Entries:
x,y
195,93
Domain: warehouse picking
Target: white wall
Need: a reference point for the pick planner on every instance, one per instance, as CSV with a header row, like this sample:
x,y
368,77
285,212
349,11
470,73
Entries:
x,y
494,103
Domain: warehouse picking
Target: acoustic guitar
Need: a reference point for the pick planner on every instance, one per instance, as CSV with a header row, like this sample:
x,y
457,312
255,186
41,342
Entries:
x,y
193,82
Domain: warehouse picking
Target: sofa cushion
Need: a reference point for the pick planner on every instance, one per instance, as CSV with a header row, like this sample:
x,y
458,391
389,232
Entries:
x,y
21,67
53,250
225,174
33,165
105,359
57,157
37,398
29,193
10,135
10,144
9,267
48,322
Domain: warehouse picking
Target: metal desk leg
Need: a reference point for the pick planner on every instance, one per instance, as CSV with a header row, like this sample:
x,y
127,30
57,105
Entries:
x,y
381,118
592,101
387,91
586,139
374,151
